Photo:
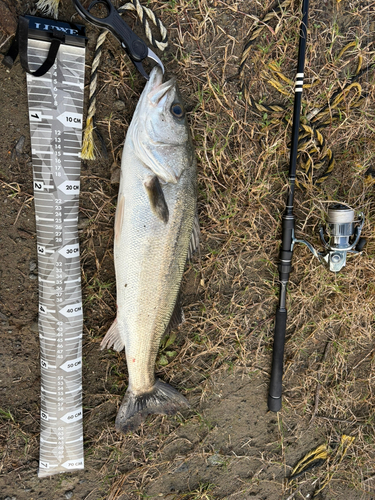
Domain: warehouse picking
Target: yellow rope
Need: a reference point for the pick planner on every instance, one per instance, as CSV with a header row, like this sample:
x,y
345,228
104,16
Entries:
x,y
311,140
319,453
318,456
277,85
258,29
344,49
345,443
87,152
273,66
88,145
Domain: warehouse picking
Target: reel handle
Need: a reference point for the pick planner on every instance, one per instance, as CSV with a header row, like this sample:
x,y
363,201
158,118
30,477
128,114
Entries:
x,y
361,244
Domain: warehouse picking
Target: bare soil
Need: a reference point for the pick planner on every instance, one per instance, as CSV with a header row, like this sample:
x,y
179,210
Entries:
x,y
227,446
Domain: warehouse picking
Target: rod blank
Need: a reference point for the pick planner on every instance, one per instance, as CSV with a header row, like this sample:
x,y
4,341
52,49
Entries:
x,y
288,224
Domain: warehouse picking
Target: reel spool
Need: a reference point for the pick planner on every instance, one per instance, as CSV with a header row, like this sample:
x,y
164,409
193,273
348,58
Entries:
x,y
343,236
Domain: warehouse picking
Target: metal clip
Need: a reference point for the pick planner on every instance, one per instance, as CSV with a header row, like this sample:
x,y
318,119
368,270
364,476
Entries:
x,y
136,48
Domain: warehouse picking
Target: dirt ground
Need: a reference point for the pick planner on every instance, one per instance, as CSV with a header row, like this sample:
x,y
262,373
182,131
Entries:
x,y
227,445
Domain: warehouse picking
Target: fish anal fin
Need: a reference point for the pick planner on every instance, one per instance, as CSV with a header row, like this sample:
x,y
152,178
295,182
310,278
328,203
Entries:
x,y
194,245
112,338
163,399
156,196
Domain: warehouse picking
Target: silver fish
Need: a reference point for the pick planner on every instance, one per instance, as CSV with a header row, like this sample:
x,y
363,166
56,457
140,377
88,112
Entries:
x,y
155,229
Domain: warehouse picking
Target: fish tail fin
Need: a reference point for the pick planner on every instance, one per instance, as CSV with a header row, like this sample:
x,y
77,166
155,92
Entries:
x,y
162,399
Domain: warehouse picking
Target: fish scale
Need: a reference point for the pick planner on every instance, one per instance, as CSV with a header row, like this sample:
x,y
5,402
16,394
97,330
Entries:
x,y
154,271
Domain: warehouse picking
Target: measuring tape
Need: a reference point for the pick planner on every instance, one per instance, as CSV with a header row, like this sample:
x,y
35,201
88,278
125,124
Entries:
x,y
55,113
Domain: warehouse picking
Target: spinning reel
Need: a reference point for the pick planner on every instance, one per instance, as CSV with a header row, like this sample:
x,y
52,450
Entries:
x,y
344,236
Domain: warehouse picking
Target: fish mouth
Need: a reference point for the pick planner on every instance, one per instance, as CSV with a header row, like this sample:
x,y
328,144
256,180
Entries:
x,y
158,91
155,79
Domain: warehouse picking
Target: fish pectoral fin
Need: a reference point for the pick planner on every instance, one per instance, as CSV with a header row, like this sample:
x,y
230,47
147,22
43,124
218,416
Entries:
x,y
194,245
154,159
162,399
156,196
119,216
113,338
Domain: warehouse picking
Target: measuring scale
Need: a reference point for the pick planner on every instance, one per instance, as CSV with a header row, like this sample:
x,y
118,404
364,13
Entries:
x,y
55,113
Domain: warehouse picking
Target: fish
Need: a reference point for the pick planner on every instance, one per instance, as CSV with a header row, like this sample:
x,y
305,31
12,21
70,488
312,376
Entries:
x,y
156,231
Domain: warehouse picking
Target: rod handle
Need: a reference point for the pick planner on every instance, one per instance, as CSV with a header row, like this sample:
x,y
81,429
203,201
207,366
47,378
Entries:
x,y
274,396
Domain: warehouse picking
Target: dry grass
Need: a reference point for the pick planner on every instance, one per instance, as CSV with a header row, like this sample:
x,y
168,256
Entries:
x,y
231,293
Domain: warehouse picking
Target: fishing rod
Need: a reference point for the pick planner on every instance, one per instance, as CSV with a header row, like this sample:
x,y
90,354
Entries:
x,y
343,231
288,223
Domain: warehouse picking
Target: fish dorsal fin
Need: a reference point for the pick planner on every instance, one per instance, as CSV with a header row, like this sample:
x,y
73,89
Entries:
x,y
194,245
156,196
113,338
177,317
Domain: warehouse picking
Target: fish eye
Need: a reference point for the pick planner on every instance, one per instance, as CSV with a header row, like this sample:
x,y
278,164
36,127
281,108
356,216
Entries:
x,y
177,110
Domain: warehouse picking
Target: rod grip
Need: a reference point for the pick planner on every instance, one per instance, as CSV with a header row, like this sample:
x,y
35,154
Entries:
x,y
274,396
